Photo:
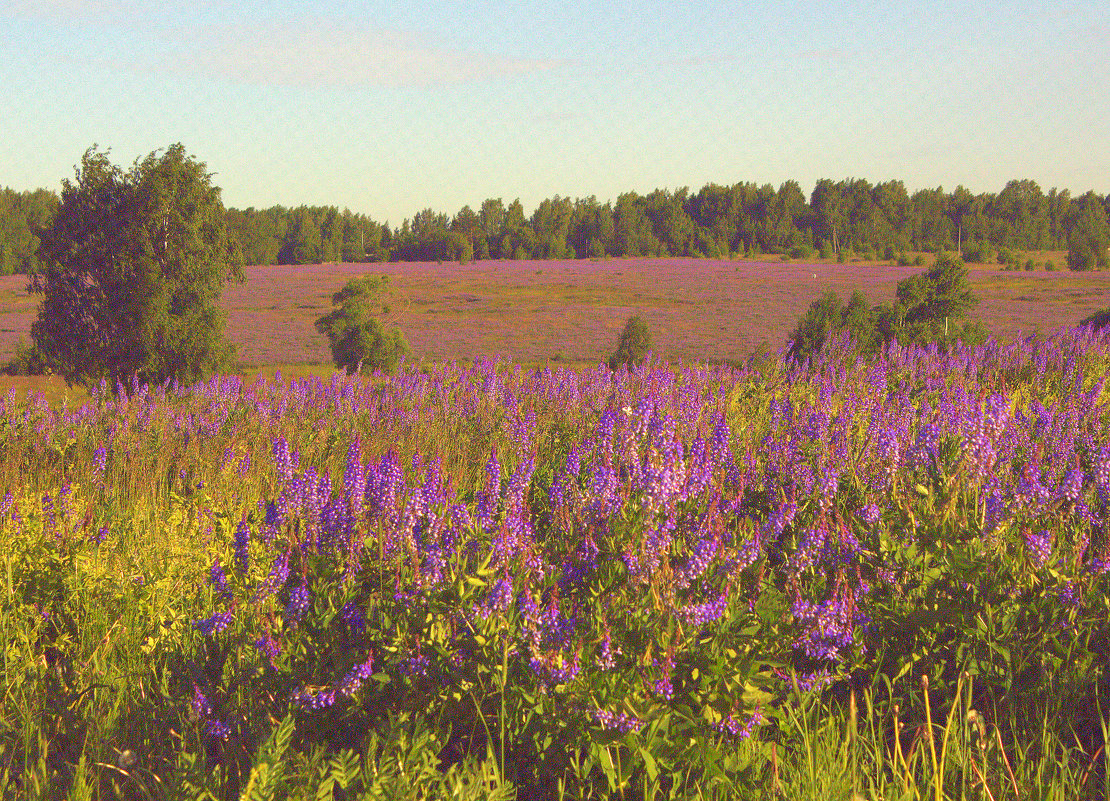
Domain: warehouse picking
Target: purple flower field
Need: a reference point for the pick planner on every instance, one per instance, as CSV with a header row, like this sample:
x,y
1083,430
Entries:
x,y
572,311
611,581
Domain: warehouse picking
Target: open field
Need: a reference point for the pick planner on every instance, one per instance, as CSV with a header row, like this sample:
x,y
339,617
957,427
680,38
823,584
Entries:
x,y
540,311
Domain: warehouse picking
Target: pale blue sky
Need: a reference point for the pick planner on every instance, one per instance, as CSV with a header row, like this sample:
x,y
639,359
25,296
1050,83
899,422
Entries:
x,y
388,108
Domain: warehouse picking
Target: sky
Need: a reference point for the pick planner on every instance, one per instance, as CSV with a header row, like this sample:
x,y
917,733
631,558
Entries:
x,y
387,108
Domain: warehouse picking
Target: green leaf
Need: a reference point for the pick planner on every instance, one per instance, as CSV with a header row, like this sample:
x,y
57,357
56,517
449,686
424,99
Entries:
x,y
649,764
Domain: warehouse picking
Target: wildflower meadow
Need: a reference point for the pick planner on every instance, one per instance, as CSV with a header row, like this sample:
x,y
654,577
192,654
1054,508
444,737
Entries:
x,y
873,579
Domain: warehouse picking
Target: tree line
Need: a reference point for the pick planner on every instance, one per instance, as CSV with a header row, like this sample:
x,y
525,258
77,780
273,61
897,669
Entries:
x,y
130,263
846,218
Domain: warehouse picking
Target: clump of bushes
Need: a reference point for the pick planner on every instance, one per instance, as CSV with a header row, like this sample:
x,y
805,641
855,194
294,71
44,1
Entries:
x,y
930,308
979,252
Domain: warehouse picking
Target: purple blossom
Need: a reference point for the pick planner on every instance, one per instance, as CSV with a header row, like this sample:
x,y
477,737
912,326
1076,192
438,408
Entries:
x,y
217,580
555,667
617,721
215,624
199,703
1040,546
269,646
488,498
283,462
279,574
808,681
871,514
703,553
1072,486
216,729
242,546
354,617
414,664
312,700
499,600
732,727
606,657
299,600
356,676
100,460
699,615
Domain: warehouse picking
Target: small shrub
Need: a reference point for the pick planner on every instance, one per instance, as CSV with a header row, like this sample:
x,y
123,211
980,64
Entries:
x,y
1098,321
633,345
28,360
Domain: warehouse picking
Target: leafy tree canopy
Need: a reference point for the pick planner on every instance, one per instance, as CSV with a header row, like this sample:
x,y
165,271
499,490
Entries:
x,y
930,308
132,266
355,332
1089,243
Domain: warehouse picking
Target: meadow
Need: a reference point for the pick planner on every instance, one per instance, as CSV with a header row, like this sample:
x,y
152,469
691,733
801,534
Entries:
x,y
547,312
846,579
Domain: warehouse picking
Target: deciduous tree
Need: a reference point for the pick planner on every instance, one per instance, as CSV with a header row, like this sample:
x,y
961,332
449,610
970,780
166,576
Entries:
x,y
133,263
355,332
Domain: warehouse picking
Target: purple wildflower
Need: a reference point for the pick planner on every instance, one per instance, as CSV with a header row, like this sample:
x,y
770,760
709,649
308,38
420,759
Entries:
x,y
216,729
299,599
731,725
1039,545
242,546
356,676
311,700
100,460
199,703
870,514
617,721
217,580
699,615
354,616
268,646
215,624
279,574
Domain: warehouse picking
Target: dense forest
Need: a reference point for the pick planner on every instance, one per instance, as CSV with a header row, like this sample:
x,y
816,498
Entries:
x,y
851,217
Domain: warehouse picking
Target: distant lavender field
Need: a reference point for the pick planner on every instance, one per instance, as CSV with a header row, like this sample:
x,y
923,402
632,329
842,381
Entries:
x,y
573,310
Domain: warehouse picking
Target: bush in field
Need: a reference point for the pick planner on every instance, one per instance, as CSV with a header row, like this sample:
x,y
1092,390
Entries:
x,y
930,308
28,360
1098,321
827,317
133,264
1089,243
356,335
633,345
979,252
